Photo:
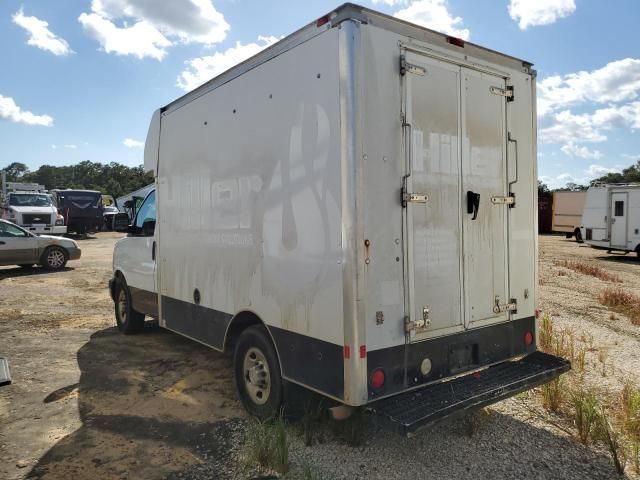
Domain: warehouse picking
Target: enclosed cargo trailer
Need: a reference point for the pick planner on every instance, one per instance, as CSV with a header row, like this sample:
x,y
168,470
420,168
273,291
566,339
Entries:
x,y
611,218
352,210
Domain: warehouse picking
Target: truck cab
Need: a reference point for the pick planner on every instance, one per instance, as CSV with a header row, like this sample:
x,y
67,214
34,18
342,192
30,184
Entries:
x,y
34,211
133,287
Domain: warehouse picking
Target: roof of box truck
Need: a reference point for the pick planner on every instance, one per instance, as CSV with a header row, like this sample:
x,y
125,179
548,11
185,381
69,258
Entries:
x,y
335,17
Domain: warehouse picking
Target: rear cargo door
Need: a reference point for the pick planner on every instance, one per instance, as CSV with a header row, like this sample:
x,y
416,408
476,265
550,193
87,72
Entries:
x,y
454,195
485,193
431,196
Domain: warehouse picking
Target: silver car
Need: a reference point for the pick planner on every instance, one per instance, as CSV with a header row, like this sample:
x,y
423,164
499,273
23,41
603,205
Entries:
x,y
20,247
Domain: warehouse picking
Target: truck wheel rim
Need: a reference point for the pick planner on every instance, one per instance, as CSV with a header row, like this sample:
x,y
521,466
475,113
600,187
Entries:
x,y
55,258
256,376
122,306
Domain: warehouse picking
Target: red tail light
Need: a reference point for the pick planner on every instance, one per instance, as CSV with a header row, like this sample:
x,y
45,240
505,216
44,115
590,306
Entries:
x,y
377,379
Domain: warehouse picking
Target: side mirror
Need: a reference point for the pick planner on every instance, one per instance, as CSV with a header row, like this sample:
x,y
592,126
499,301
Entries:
x,y
148,227
121,222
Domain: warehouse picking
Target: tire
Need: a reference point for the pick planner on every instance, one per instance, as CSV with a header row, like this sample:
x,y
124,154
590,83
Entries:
x,y
129,321
578,235
54,258
257,374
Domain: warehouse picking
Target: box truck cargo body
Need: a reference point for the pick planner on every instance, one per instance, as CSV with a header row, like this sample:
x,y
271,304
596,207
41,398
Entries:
x,y
567,213
611,218
352,210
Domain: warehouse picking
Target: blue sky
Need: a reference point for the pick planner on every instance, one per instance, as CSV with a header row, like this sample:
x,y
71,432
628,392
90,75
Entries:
x,y
80,78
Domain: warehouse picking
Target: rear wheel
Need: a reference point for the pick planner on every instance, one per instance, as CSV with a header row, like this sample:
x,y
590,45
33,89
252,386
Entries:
x,y
257,373
129,320
578,235
54,258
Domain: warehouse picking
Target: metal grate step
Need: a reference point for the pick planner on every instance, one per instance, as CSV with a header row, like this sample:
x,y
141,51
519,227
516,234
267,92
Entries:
x,y
410,411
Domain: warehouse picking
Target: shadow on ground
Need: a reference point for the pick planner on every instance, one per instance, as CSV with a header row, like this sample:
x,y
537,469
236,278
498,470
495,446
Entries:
x,y
15,272
149,404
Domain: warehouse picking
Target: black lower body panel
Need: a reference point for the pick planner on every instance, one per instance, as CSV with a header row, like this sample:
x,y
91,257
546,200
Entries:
x,y
410,411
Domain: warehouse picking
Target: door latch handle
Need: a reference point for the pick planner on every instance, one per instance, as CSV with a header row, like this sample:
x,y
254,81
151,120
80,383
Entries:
x,y
473,204
153,251
3,243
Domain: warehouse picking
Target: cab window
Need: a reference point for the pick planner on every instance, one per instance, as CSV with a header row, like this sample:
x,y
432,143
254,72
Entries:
x,y
147,210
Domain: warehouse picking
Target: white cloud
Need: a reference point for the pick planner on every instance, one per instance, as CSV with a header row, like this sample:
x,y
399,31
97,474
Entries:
x,y
70,146
564,127
433,14
617,81
131,143
40,36
146,28
391,3
202,69
574,150
595,171
12,112
529,13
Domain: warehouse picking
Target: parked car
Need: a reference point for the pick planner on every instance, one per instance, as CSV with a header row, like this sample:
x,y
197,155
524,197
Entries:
x,y
108,215
20,247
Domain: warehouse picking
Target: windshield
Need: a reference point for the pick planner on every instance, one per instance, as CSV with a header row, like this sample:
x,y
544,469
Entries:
x,y
29,200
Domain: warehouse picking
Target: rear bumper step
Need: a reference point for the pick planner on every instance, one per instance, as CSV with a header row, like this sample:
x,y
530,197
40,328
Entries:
x,y
408,412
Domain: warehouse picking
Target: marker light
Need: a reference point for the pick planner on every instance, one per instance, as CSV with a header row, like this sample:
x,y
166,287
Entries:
x,y
377,379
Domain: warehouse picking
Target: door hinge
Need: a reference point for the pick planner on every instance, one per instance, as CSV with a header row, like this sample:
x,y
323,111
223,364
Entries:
x,y
508,200
407,197
406,67
505,92
512,306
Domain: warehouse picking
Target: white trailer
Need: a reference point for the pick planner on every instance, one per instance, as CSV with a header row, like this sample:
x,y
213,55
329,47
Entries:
x,y
567,213
352,210
611,218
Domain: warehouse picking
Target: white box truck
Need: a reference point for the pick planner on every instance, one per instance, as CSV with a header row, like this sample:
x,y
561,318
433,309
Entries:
x,y
352,210
611,218
567,213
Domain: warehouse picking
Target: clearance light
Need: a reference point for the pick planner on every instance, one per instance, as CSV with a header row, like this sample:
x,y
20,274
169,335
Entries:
x,y
377,379
458,42
322,21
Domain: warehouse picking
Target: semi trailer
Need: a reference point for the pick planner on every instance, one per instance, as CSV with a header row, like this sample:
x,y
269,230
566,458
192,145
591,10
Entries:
x,y
353,211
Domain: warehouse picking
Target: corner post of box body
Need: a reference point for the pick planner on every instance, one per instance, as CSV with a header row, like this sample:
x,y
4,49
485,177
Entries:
x,y
355,363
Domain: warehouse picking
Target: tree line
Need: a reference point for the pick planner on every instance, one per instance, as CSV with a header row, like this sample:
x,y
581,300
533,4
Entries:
x,y
628,175
109,178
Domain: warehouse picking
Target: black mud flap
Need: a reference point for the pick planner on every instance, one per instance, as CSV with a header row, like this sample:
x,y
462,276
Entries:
x,y
5,375
408,412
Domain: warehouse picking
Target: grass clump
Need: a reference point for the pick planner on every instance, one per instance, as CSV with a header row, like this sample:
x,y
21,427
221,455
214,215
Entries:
x,y
553,395
585,408
621,301
587,269
630,419
266,444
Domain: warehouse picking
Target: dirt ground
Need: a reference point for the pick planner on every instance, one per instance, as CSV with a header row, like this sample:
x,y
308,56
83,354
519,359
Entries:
x,y
87,402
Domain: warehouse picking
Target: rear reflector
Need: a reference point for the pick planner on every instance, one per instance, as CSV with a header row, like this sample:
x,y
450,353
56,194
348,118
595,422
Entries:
x,y
363,351
347,351
528,338
377,379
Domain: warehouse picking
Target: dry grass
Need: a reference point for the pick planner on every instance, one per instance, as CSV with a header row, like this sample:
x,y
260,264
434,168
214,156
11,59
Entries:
x,y
588,269
622,302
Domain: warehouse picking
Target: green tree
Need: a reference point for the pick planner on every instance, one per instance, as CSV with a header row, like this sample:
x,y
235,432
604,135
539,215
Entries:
x,y
15,171
628,175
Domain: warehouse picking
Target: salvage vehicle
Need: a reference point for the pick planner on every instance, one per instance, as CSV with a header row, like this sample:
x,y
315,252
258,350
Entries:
x,y
21,247
353,211
81,209
30,206
611,218
567,213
